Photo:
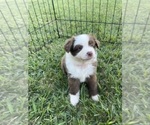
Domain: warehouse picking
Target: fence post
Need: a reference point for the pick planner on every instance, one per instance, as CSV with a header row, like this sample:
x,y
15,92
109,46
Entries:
x,y
55,19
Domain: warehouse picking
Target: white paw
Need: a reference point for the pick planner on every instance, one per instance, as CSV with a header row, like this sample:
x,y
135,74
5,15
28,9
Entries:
x,y
74,99
95,97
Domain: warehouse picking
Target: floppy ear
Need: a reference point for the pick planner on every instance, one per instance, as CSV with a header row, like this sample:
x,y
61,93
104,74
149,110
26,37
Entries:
x,y
69,43
97,42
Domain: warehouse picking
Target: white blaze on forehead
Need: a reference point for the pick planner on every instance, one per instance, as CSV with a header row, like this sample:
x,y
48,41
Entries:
x,y
81,39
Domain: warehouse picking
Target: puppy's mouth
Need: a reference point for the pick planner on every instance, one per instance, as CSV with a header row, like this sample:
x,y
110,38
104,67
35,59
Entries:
x,y
84,59
87,58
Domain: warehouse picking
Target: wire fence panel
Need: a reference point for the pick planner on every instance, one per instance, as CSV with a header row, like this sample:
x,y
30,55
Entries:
x,y
88,16
13,62
135,20
64,18
135,62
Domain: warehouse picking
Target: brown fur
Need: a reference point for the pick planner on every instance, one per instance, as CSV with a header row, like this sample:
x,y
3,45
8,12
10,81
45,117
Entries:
x,y
92,85
76,49
93,41
69,44
63,65
74,85
94,64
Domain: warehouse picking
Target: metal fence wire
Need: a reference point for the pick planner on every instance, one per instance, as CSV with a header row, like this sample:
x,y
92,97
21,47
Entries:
x,y
36,23
63,18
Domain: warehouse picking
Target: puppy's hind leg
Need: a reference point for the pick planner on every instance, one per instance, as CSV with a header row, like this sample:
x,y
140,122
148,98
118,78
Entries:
x,y
92,86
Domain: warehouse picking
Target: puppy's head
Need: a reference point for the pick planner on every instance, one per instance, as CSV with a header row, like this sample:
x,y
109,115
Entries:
x,y
82,46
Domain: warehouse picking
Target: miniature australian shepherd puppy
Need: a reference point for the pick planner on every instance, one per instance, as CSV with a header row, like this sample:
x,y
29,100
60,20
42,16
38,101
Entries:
x,y
80,63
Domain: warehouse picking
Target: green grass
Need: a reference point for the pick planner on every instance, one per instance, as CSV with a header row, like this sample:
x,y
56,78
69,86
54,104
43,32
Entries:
x,y
48,89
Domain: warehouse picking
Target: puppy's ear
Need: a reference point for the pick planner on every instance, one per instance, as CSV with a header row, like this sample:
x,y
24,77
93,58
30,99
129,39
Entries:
x,y
97,42
69,43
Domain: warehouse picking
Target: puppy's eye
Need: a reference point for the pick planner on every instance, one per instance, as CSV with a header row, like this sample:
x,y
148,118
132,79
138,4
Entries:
x,y
78,47
91,43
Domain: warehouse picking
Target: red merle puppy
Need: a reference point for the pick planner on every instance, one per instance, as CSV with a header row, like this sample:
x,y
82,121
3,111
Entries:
x,y
80,64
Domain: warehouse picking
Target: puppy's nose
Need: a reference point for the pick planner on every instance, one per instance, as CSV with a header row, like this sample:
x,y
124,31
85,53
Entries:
x,y
90,54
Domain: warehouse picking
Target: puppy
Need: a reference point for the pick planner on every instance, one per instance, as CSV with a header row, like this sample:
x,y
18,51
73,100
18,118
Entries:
x,y
80,63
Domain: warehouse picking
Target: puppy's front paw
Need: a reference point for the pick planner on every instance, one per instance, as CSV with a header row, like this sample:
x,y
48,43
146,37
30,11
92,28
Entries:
x,y
95,97
74,99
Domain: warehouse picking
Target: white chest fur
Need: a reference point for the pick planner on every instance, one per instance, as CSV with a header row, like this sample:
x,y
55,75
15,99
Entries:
x,y
79,69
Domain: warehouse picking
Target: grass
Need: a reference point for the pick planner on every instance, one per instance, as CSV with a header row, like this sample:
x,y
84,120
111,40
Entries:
x,y
48,90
